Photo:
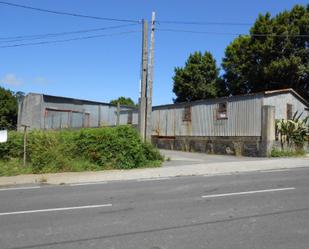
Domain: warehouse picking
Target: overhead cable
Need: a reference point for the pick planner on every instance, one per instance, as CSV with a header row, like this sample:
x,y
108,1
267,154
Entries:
x,y
234,34
51,35
67,13
68,40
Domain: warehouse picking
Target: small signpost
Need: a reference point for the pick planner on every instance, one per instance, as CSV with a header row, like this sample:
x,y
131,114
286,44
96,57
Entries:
x,y
25,144
3,136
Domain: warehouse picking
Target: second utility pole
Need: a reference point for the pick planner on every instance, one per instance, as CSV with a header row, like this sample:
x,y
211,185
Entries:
x,y
143,98
150,81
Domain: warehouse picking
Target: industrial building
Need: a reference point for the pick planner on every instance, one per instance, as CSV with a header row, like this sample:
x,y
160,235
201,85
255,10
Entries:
x,y
41,111
238,125
228,125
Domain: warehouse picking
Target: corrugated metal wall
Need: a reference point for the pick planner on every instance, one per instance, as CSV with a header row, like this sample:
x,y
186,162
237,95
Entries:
x,y
243,115
244,118
280,101
124,117
49,112
29,112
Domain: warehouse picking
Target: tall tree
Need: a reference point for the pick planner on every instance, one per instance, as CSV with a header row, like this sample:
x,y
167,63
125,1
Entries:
x,y
197,79
123,101
8,109
274,56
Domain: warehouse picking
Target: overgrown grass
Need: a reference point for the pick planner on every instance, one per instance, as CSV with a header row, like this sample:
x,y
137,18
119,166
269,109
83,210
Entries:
x,y
13,167
287,153
77,150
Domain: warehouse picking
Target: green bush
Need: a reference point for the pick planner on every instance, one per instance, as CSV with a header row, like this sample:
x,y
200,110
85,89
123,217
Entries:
x,y
13,148
120,147
78,150
287,153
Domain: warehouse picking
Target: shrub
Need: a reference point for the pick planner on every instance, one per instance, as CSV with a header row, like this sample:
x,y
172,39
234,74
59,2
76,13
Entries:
x,y
78,150
120,146
293,131
13,148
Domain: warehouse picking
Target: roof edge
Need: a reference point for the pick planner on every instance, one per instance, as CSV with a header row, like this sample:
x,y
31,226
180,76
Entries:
x,y
288,90
81,100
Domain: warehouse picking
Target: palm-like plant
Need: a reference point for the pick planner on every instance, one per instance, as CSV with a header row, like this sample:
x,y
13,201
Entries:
x,y
294,130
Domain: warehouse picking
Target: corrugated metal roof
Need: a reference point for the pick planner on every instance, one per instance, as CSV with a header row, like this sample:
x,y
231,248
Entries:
x,y
60,99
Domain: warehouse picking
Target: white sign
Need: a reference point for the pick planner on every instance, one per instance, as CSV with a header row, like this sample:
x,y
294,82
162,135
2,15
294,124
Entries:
x,y
3,136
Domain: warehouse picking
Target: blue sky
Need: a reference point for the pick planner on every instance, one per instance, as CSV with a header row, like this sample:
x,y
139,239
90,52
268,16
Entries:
x,y
108,67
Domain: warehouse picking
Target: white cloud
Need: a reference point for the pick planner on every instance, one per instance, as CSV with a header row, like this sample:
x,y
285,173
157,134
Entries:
x,y
12,80
41,81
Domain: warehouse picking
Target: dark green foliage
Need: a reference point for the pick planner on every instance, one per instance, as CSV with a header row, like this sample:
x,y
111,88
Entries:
x,y
13,148
123,101
8,109
120,147
198,79
87,149
280,60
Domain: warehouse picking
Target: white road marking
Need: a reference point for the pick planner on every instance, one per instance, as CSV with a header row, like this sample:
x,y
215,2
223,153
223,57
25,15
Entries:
x,y
275,170
86,183
56,209
153,179
248,192
20,188
220,174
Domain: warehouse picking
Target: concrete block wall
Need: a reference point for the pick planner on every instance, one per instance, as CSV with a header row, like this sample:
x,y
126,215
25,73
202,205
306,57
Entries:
x,y
239,146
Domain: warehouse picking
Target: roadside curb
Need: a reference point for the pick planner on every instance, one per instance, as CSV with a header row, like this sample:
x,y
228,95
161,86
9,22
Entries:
x,y
150,173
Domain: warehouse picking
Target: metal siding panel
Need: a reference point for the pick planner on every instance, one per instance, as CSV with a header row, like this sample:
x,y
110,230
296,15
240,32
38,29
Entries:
x,y
123,118
244,119
281,100
93,111
135,118
77,120
112,115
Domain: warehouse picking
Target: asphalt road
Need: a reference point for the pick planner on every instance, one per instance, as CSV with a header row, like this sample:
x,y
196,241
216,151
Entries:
x,y
243,211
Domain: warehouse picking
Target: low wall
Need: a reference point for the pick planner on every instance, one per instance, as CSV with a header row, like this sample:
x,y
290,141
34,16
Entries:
x,y
239,146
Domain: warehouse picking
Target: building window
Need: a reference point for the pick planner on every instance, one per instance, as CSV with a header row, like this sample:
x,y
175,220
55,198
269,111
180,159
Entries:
x,y
222,111
186,114
289,111
130,117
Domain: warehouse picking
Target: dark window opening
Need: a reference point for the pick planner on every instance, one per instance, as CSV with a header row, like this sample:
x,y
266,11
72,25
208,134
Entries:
x,y
187,114
222,111
289,111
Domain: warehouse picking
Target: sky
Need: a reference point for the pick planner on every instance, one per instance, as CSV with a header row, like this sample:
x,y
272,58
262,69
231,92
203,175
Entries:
x,y
106,67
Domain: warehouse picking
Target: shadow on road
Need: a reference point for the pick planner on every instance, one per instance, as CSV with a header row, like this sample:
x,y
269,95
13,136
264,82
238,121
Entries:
x,y
161,229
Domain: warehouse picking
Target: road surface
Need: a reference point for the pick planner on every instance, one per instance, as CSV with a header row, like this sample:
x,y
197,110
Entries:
x,y
259,210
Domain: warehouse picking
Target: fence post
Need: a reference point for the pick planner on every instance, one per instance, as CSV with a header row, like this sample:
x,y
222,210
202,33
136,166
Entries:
x,y
118,114
268,130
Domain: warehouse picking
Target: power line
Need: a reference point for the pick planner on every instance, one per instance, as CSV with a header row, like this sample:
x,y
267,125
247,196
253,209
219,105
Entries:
x,y
234,34
51,35
68,40
67,13
205,23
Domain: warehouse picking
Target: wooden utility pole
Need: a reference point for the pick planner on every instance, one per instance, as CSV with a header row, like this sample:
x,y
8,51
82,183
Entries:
x,y
150,80
25,144
142,102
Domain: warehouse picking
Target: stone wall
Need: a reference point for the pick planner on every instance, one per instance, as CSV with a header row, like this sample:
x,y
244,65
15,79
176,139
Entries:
x,y
239,146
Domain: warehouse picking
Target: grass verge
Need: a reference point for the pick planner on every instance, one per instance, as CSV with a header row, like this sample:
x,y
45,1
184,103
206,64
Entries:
x,y
77,150
287,153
